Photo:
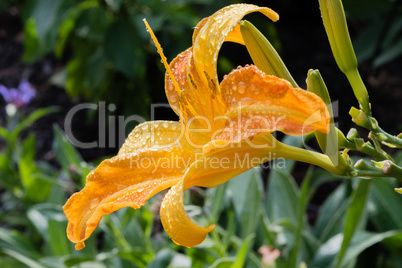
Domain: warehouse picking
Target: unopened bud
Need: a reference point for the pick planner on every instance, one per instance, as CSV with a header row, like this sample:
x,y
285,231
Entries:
x,y
263,53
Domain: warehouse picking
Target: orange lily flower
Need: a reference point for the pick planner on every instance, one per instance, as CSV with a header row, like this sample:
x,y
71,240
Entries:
x,y
224,130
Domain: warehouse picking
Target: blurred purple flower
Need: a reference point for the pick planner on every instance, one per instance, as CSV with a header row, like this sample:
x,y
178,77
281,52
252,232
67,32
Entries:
x,y
18,96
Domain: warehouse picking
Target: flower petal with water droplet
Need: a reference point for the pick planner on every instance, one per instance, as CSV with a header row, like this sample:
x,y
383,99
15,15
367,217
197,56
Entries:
x,y
277,106
128,179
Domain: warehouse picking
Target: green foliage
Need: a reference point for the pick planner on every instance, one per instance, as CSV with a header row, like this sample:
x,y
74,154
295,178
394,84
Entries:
x,y
110,54
381,41
246,222
18,155
108,48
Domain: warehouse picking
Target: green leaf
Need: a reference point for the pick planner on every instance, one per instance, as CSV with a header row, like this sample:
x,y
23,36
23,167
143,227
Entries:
x,y
367,9
365,44
162,258
283,199
282,205
68,24
51,223
87,72
17,244
361,240
384,205
66,154
216,200
225,262
355,211
246,194
27,122
124,48
42,21
331,213
181,260
3,132
243,252
114,4
389,54
36,190
295,255
22,258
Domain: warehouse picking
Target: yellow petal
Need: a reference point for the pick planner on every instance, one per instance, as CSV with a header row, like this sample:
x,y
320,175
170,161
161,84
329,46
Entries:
x,y
127,180
153,134
187,79
257,102
235,36
175,221
211,36
196,103
224,159
220,161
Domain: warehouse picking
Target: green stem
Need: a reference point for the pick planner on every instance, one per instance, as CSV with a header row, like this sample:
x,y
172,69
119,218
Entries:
x,y
391,139
311,157
367,149
375,174
359,89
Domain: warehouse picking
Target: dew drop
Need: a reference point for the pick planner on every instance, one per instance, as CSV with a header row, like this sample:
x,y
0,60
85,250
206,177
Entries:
x,y
234,87
139,190
120,187
94,203
242,87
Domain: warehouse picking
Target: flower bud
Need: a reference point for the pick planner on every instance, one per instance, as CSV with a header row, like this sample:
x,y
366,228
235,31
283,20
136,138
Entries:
x,y
360,118
263,53
336,28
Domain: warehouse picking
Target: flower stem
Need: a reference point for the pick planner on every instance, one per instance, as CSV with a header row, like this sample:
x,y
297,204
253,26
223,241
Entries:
x,y
360,90
311,157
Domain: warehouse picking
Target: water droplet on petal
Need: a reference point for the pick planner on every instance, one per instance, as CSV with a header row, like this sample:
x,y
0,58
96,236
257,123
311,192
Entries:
x,y
242,87
94,203
120,187
234,87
